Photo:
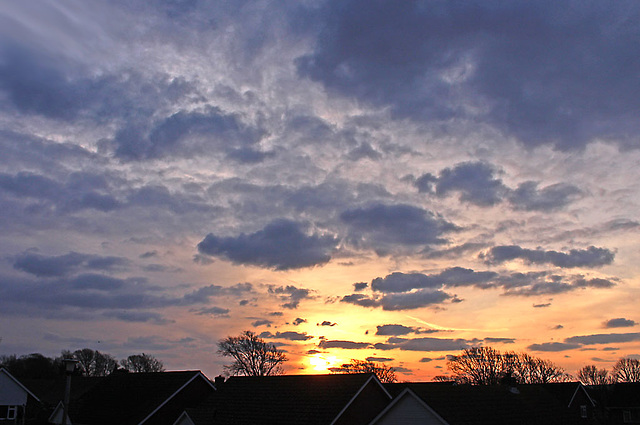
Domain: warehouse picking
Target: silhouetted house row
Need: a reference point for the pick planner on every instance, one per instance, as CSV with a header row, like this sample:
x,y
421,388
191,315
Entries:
x,y
189,398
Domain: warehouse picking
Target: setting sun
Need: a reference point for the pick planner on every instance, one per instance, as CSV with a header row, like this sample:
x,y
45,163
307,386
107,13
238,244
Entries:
x,y
321,363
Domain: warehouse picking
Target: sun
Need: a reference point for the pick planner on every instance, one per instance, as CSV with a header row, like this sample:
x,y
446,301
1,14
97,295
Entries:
x,y
321,363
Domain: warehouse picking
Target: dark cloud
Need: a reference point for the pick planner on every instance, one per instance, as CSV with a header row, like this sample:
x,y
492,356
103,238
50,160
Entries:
x,y
395,330
381,227
347,345
590,257
454,276
619,323
360,286
405,291
203,294
293,336
379,359
62,196
185,134
282,245
544,305
63,265
476,182
261,322
553,346
37,83
291,295
523,67
326,323
138,317
528,197
455,251
490,340
299,321
603,338
425,344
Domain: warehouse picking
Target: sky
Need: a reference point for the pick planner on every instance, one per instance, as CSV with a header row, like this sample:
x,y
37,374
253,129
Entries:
x,y
374,180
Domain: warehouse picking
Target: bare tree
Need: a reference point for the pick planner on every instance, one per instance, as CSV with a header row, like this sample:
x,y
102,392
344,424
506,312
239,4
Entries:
x,y
384,373
534,370
142,363
479,366
591,375
251,355
626,370
93,362
487,366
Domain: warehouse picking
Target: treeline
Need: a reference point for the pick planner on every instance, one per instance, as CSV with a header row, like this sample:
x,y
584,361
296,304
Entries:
x,y
488,366
90,363
625,370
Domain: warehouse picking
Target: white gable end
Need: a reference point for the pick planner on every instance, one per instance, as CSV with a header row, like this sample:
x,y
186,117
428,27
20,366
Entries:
x,y
11,392
408,410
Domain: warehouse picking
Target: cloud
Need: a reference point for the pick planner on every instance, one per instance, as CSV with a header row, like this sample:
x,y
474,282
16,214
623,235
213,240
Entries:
x,y
64,265
454,276
544,305
261,322
425,344
381,227
476,183
395,330
214,311
299,321
288,335
326,323
360,286
186,134
439,62
490,340
528,197
291,294
619,323
553,347
346,345
473,180
379,359
590,257
138,317
603,338
281,245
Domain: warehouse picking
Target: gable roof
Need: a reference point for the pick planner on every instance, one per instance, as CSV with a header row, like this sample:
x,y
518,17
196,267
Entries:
x,y
130,398
488,404
286,399
18,383
405,394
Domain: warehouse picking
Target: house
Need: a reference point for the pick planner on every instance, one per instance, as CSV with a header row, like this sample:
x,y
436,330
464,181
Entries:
x,y
336,399
619,403
433,403
18,405
577,399
155,398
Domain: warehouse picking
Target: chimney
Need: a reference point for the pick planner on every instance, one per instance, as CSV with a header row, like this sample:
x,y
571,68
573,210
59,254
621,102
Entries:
x,y
218,380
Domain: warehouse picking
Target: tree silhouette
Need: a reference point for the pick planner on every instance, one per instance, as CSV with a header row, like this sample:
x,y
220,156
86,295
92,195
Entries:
x,y
142,363
251,355
591,375
488,366
626,370
384,373
93,362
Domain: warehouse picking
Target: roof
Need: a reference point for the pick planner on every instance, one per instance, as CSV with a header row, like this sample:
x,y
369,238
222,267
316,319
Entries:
x,y
129,398
18,383
282,400
617,396
493,404
51,391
